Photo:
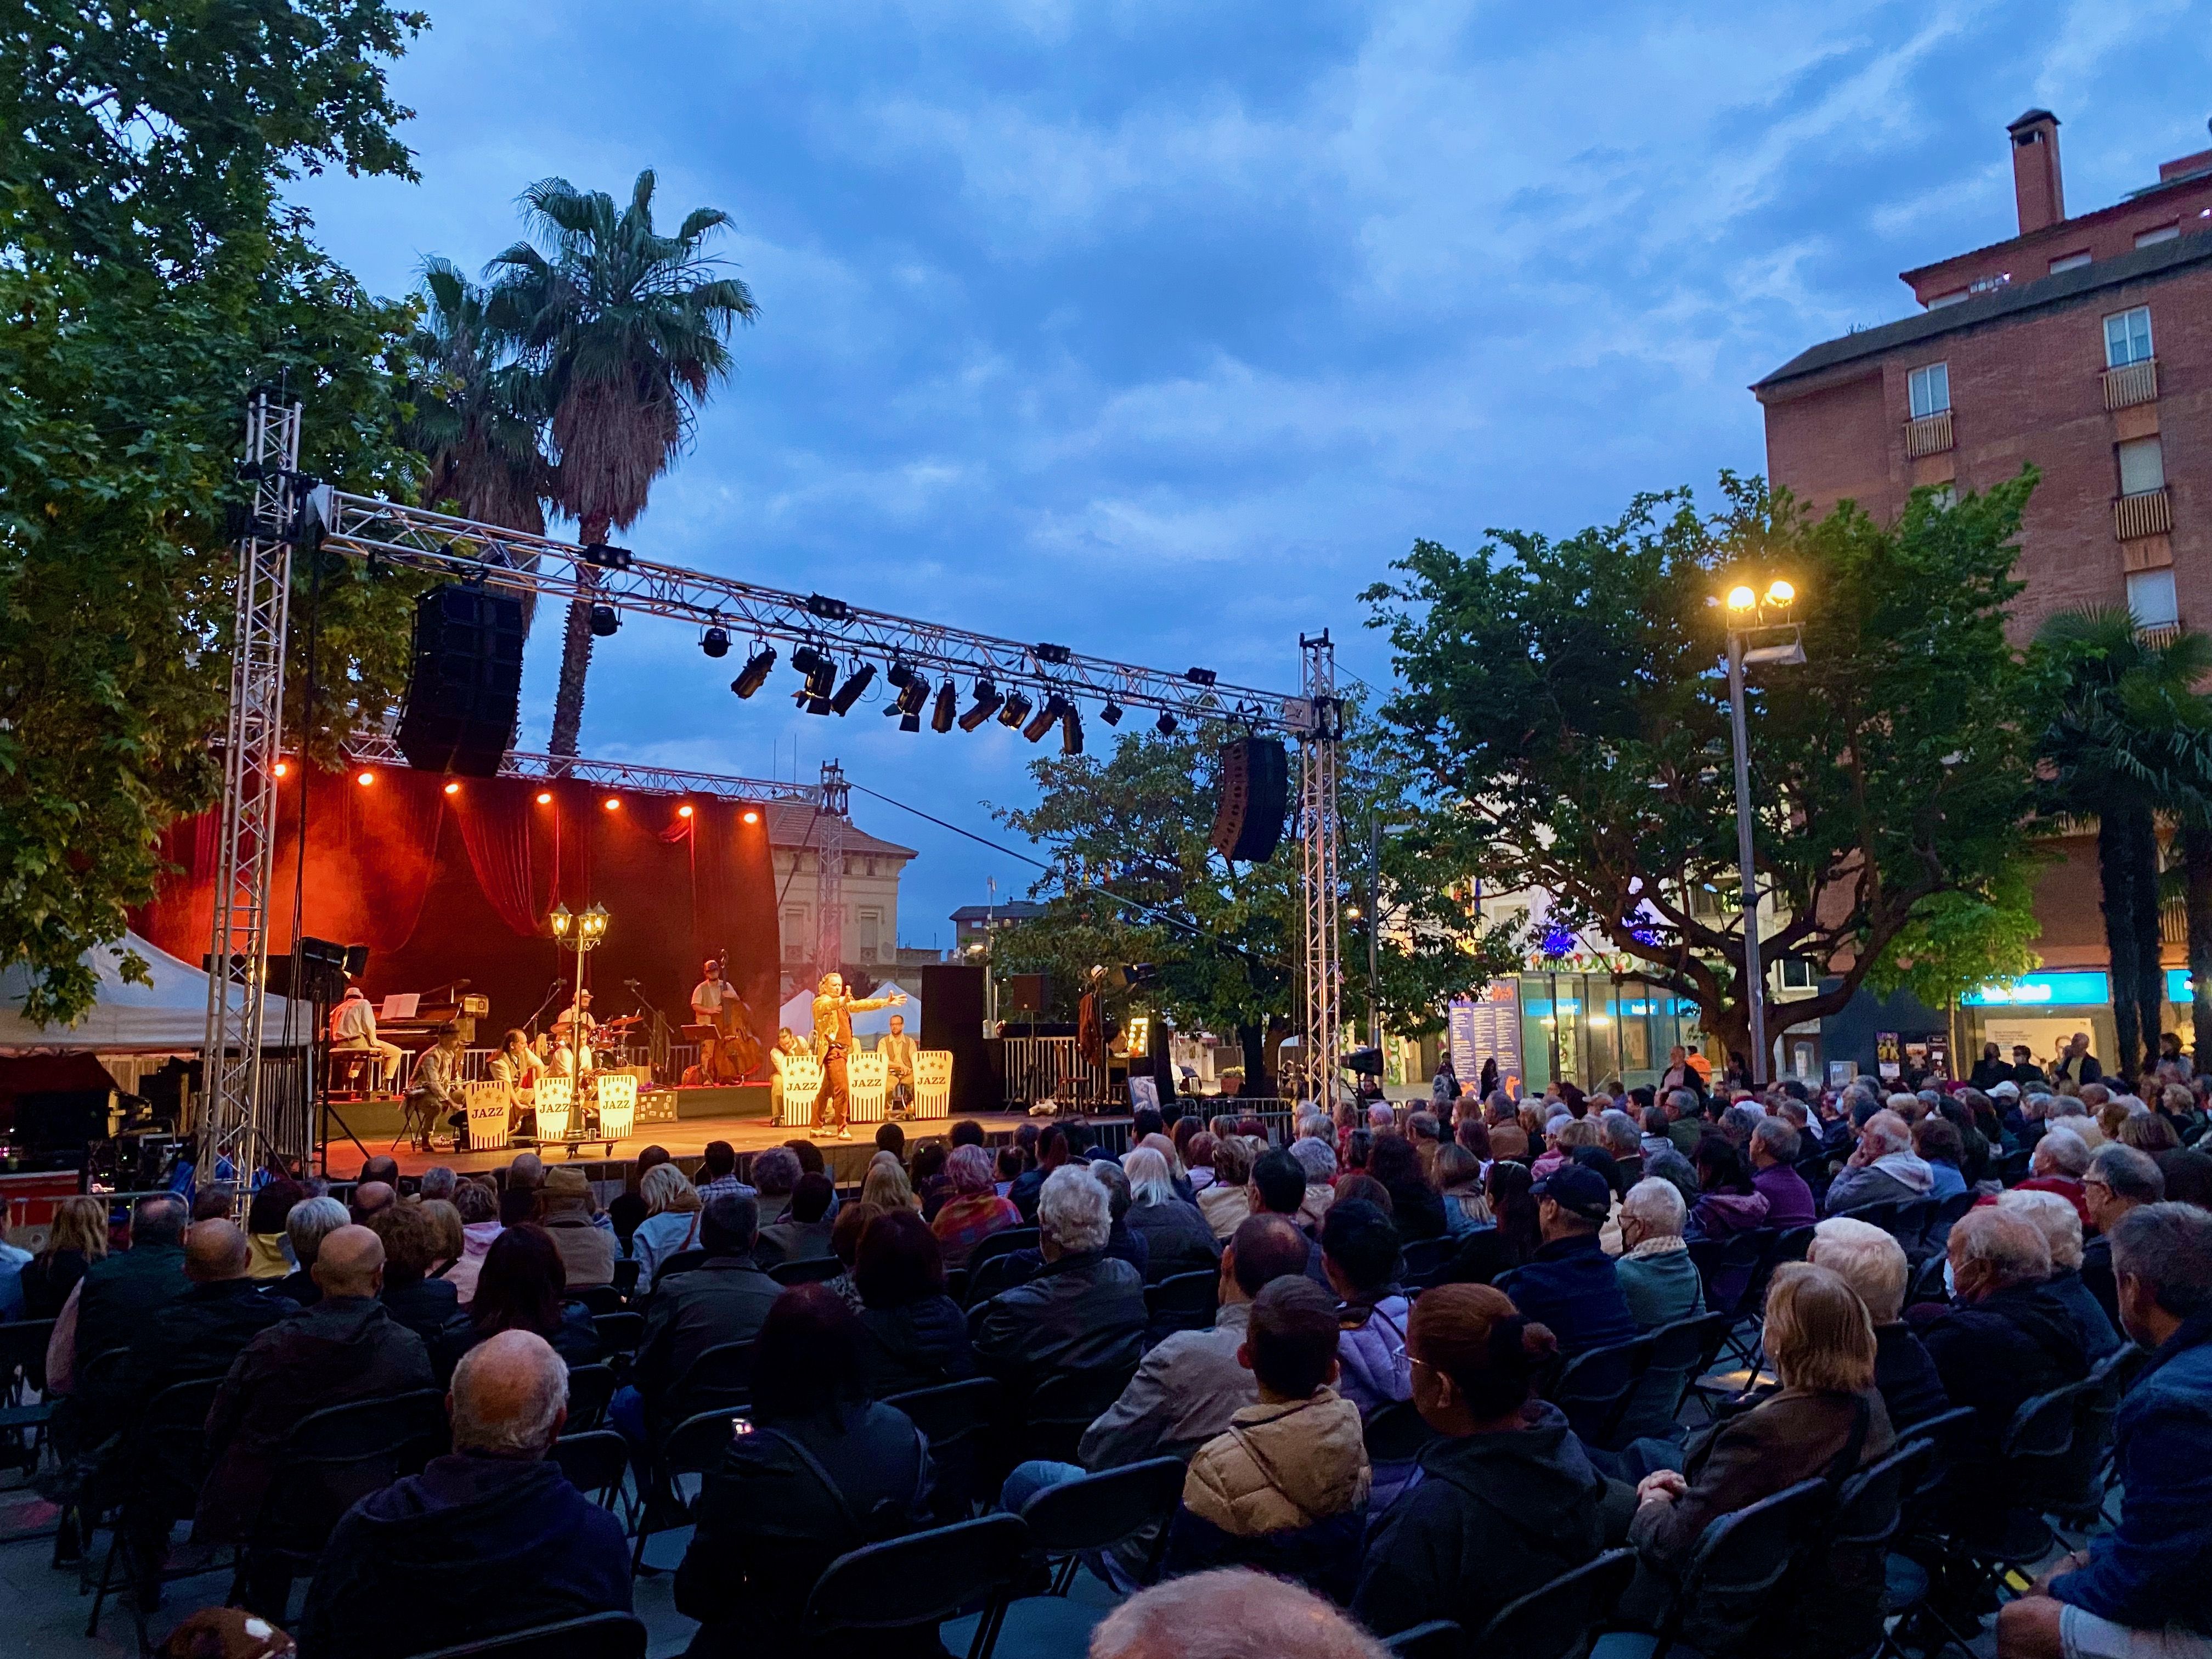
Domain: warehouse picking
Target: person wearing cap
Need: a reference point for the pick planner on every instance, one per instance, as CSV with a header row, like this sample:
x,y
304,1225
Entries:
x,y
1570,1285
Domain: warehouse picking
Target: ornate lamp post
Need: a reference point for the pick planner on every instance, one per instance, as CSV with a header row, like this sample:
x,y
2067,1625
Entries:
x,y
1758,631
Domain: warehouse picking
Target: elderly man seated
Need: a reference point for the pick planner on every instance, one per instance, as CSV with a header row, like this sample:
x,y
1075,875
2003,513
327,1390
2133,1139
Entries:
x,y
2060,1159
490,1538
1884,1169
2140,1591
2054,1218
1654,1271
1085,1311
1873,1264
2120,1179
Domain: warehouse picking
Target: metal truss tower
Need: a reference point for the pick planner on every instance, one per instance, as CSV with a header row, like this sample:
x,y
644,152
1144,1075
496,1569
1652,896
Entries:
x,y
1323,976
231,1109
829,861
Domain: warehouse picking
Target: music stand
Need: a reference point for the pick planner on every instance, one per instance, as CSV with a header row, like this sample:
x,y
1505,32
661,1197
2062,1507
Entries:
x,y
317,969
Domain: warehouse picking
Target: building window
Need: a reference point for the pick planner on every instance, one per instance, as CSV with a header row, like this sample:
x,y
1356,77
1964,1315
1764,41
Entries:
x,y
2127,337
797,945
2150,598
1797,975
2163,234
1952,298
2142,466
1944,496
1929,388
2069,262
872,934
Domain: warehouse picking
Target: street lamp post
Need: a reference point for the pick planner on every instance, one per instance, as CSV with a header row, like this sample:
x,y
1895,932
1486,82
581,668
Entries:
x,y
1748,620
580,933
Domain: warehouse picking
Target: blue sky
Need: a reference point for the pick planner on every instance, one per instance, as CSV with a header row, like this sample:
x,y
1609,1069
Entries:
x,y
1161,329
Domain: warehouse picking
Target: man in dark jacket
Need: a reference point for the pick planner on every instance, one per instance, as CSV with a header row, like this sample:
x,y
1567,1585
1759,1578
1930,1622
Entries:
x,y
803,1234
2002,1340
489,1540
2142,1588
1570,1284
1085,1311
344,1348
1052,1152
115,1300
2119,1179
723,1299
202,1332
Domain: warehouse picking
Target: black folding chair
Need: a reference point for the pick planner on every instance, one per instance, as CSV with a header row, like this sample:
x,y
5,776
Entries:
x,y
956,1285
1935,1236
626,1272
25,1410
1596,1388
693,1448
1439,1639
1396,1433
333,1457
1101,1511
590,1389
598,1299
1871,1509
721,1378
619,1333
1002,1243
987,1278
1554,1620
596,1462
918,1582
810,1270
1728,1269
1180,1302
164,1463
1927,1282
597,1636
1736,1573
1682,1353
954,1417
682,1262
1063,1405
1427,1260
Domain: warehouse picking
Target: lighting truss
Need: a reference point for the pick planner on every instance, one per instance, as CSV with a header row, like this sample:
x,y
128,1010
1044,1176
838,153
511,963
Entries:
x,y
378,748
418,539
1322,980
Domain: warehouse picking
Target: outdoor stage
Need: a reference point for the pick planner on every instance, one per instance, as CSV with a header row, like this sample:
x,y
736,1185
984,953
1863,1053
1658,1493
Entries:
x,y
687,1138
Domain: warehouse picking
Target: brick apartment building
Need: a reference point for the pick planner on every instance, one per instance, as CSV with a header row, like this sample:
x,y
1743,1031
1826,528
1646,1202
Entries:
x,y
2084,346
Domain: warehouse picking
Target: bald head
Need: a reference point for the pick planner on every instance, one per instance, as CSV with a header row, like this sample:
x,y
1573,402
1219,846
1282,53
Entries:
x,y
510,1397
215,1251
350,1263
1230,1613
370,1197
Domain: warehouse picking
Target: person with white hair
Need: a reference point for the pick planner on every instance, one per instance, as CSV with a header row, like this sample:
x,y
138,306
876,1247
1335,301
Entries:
x,y
488,1539
1318,1159
1654,1271
1230,1613
1872,1262
1176,1238
2120,1179
2058,1163
1884,1169
2055,1218
1084,1311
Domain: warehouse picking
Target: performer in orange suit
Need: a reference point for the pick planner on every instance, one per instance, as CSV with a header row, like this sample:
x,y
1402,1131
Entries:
x,y
833,1041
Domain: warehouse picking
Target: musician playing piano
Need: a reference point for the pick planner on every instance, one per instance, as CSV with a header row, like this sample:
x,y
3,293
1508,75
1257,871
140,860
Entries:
x,y
353,1029
833,1041
435,1089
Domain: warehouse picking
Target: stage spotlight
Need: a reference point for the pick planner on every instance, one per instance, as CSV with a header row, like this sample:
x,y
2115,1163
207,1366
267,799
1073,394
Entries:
x,y
754,674
1071,730
913,695
684,811
1200,676
612,804
1111,714
849,693
986,705
544,798
452,788
608,558
753,817
715,642
1046,718
1016,711
604,621
948,705
365,779
282,768
1165,725
820,673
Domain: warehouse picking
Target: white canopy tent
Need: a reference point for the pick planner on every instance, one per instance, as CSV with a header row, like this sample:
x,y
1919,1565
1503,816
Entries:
x,y
167,1016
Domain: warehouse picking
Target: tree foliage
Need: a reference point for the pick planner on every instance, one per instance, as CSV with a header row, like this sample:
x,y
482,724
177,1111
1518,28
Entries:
x,y
152,277
1564,702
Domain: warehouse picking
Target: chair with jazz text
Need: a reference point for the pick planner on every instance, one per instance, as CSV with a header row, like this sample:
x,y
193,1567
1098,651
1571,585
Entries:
x,y
869,1079
932,1083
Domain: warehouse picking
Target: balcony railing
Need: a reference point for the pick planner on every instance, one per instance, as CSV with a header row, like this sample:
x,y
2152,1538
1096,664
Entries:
x,y
2159,633
1930,435
2147,512
2137,383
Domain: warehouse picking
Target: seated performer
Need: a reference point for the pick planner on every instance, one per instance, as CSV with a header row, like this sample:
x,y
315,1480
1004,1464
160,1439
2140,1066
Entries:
x,y
833,1041
353,1029
577,1029
898,1050
435,1089
517,1066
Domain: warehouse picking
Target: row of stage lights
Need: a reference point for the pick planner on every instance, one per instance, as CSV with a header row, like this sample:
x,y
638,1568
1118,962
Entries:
x,y
822,694
366,777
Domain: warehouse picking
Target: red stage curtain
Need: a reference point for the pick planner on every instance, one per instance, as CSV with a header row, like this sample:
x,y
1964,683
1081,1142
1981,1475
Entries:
x,y
495,827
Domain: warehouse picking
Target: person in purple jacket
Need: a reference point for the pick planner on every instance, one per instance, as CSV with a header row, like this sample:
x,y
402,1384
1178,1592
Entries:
x,y
1774,1149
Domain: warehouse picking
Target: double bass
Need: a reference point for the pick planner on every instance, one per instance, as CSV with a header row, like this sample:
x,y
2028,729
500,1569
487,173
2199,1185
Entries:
x,y
735,1052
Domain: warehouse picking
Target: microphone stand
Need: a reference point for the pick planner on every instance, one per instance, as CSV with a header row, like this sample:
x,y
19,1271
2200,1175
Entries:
x,y
656,1044
552,996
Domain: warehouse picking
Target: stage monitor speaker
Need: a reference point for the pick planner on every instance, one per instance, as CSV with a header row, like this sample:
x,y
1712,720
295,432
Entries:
x,y
1026,994
1255,778
466,680
952,1018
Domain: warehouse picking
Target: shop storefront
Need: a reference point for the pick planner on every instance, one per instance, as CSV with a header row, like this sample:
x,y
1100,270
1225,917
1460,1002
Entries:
x,y
2044,1011
1580,1028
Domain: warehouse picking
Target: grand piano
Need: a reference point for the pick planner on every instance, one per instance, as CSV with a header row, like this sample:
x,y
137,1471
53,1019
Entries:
x,y
454,1002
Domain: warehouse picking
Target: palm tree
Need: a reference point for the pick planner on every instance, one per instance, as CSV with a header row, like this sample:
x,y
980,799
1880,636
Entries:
x,y
475,416
625,331
2123,742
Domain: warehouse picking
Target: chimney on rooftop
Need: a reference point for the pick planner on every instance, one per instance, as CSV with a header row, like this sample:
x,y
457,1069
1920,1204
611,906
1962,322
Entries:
x,y
2035,180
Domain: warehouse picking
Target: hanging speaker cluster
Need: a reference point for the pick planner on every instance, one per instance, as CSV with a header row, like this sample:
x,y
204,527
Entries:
x,y
466,682
1255,776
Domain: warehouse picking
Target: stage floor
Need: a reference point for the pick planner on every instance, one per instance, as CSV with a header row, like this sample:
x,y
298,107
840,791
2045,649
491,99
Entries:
x,y
685,1138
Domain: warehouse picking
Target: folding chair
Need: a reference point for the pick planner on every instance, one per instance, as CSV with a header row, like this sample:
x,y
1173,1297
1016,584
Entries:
x,y
1003,1242
619,1333
1426,1260
1871,1509
1682,1353
333,1457
954,1417
921,1580
693,1448
590,1388
1180,1302
25,1410
1552,1621
596,1462
1927,1282
1596,1388
1101,1511
1935,1236
682,1262
626,1272
1439,1639
1738,1566
987,1278
598,1636
1064,1404
721,1378
165,1461
1728,1269
600,1299
1396,1433
812,1270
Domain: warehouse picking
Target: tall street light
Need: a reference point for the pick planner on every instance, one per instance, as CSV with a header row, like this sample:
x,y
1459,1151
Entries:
x,y
1758,631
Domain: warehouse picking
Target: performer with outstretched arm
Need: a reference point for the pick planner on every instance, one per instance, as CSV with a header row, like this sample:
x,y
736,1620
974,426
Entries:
x,y
833,1041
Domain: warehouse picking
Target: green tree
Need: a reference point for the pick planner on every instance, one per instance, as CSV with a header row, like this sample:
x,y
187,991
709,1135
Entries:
x,y
152,278
2123,738
626,330
1563,701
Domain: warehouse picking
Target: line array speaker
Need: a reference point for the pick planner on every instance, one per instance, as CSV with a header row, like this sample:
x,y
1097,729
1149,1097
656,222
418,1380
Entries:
x,y
466,682
1255,777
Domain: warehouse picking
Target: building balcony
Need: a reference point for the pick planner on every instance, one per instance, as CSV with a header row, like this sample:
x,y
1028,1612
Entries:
x,y
1930,435
2147,513
2161,634
2137,383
